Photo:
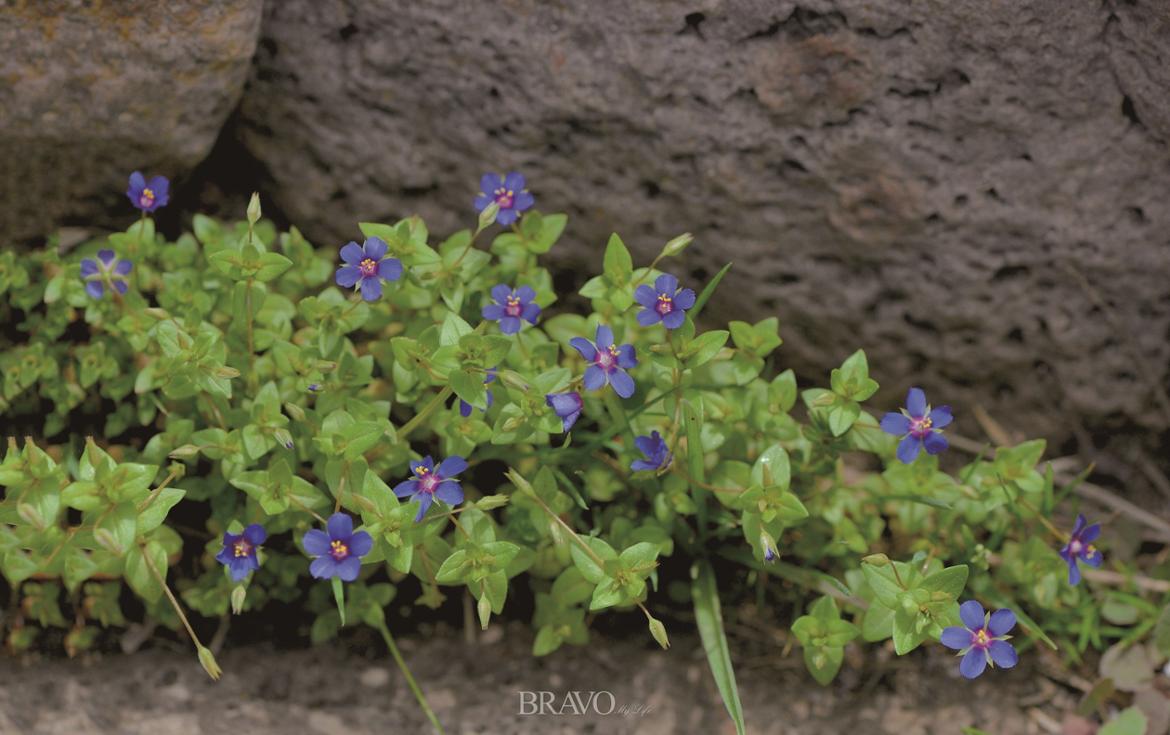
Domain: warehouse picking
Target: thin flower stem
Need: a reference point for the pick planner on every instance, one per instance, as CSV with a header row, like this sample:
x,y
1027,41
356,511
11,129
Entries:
x,y
306,508
157,491
170,596
251,344
898,577
418,694
573,534
422,415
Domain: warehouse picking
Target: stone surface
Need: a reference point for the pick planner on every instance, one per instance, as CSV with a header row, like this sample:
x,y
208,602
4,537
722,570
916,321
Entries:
x,y
92,91
955,186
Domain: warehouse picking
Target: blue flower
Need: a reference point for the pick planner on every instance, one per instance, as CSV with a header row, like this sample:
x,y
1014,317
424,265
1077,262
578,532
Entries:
x,y
430,483
465,407
508,192
512,306
918,426
1080,548
658,456
239,551
106,270
567,406
664,303
148,195
337,553
367,264
610,362
983,641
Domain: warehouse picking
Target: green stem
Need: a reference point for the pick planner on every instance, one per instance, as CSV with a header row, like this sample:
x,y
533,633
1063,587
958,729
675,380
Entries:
x,y
251,347
422,700
422,415
572,534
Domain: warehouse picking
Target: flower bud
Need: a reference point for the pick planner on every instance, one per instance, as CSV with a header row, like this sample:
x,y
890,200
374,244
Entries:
x,y
284,437
490,502
226,372
239,592
187,451
487,216
876,560
484,608
658,630
678,244
254,208
207,660
295,412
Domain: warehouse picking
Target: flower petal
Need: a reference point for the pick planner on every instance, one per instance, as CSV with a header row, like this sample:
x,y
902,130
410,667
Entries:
x,y
488,183
255,534
481,202
424,504
955,637
646,296
895,423
972,614
507,216
604,337
464,408
622,383
347,276
340,527
514,181
375,248
626,358
406,488
1074,572
390,269
450,492
424,462
684,299
123,267
349,568
934,443
161,188
323,567
595,378
95,289
89,267
564,404
1002,621
647,444
525,294
352,253
1090,534
510,324
315,542
361,543
1003,654
531,313
666,284
492,312
523,201
584,347
674,319
106,257
137,183
916,403
452,466
1093,559
569,420
649,317
640,465
908,449
371,289
941,417
973,663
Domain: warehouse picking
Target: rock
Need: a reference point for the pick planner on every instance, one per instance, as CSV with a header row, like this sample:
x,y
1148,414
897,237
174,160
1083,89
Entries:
x,y
93,91
956,187
374,677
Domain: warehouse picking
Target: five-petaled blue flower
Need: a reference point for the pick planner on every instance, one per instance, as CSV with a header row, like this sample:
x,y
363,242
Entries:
x,y
465,407
658,456
430,483
567,406
106,270
508,192
1080,548
367,264
610,362
148,195
983,640
664,303
512,306
338,553
239,551
918,425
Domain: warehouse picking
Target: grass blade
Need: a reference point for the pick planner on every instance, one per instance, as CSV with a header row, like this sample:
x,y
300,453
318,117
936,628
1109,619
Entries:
x,y
710,621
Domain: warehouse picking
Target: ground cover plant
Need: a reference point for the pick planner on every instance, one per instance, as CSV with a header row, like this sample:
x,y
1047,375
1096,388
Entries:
x,y
343,418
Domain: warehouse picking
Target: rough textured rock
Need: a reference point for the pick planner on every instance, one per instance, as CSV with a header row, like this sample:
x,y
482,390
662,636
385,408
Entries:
x,y
956,186
92,91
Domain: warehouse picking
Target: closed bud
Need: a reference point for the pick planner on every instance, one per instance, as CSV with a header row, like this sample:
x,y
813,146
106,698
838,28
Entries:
x,y
678,244
285,438
487,216
876,560
490,502
187,451
484,608
207,660
512,379
513,423
226,372
239,592
254,208
658,630
295,412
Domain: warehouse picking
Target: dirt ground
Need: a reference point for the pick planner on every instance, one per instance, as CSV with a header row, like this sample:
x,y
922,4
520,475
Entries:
x,y
476,688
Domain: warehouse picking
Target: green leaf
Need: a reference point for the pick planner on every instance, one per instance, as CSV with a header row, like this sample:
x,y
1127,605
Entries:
x,y
138,574
709,619
772,468
704,347
586,563
156,512
272,266
618,265
115,531
1131,721
951,581
339,597
706,293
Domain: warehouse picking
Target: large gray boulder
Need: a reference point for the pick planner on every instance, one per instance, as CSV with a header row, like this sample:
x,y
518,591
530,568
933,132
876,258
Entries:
x,y
975,192
91,91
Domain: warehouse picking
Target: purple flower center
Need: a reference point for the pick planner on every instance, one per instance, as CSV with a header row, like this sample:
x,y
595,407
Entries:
x,y
504,197
920,426
368,267
665,304
513,307
338,550
241,548
607,359
980,639
146,198
428,481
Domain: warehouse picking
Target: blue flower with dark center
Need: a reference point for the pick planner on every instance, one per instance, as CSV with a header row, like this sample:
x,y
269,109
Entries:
x,y
509,193
664,303
338,553
512,306
610,362
367,265
465,407
107,270
983,641
567,406
239,551
430,483
658,456
1080,549
918,425
148,195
